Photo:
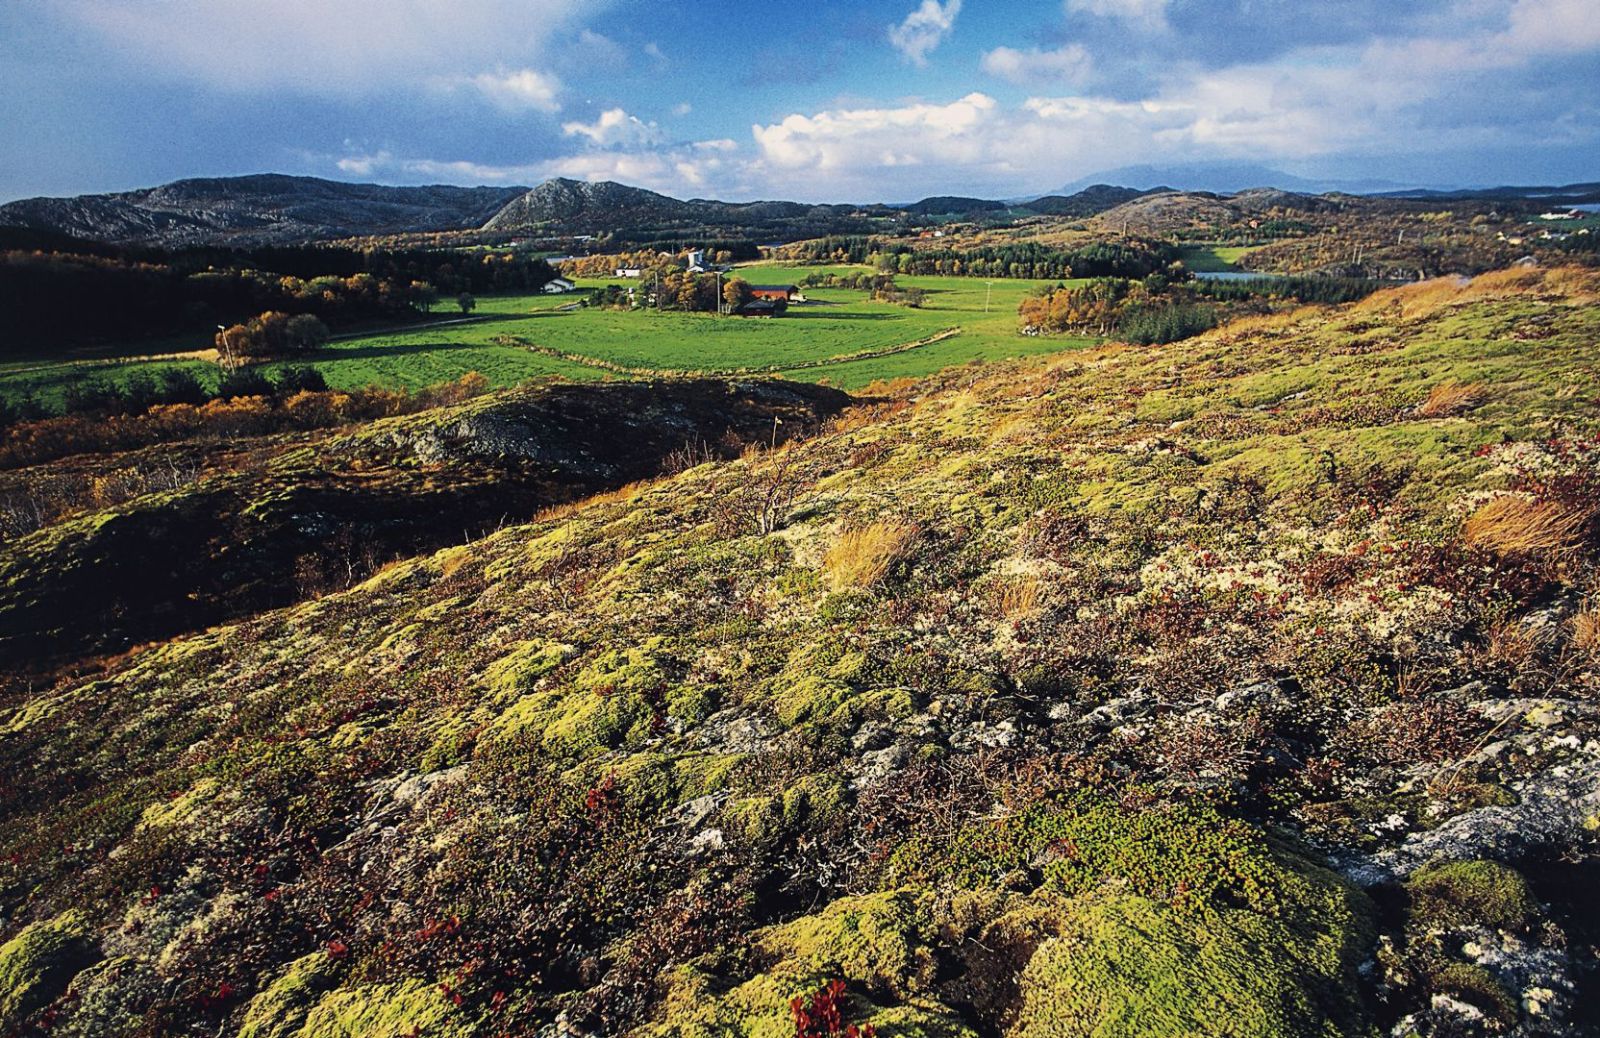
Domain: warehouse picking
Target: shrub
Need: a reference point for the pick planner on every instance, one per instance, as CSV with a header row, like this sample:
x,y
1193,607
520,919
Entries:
x,y
1452,398
863,556
1511,524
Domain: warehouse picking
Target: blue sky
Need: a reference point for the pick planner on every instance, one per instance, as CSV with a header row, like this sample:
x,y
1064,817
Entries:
x,y
872,100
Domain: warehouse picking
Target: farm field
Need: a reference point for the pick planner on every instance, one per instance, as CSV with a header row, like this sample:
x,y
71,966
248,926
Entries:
x,y
1214,259
833,323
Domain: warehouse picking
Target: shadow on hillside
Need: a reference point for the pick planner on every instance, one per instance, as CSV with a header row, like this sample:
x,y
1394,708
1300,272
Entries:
x,y
322,520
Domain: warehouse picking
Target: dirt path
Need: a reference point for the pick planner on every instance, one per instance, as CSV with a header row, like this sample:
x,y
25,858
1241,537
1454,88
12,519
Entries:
x,y
768,369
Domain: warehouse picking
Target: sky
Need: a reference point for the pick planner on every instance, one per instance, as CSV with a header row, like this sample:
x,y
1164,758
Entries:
x,y
872,100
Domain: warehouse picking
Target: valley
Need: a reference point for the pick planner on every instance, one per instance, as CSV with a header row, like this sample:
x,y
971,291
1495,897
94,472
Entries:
x,y
430,639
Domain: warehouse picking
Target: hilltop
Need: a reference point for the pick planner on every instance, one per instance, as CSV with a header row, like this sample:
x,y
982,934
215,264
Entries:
x,y
267,208
278,210
1241,686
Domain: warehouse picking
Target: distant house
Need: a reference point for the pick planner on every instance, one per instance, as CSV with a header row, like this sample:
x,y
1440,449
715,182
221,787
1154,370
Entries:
x,y
558,285
697,261
787,293
630,272
763,308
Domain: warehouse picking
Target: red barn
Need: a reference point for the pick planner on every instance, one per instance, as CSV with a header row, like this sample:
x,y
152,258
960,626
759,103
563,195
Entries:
x,y
787,293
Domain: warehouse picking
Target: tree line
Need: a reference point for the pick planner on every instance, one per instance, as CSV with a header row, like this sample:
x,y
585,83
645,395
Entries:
x,y
51,298
1157,309
1131,257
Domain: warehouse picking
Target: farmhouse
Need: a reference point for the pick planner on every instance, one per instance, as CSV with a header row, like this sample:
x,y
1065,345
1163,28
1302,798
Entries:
x,y
558,285
763,308
630,272
787,293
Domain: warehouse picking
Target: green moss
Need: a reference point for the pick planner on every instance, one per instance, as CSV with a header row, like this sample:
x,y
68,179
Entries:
x,y
280,1009
1472,983
37,965
385,1011
809,698
1126,966
1188,855
879,944
1469,893
518,671
815,799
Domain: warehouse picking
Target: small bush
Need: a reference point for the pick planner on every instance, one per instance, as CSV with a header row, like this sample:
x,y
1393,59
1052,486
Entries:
x,y
1515,524
863,556
1452,398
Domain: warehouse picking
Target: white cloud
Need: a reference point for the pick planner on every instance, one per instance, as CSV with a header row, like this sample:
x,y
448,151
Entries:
x,y
682,108
924,29
1068,64
352,48
1147,14
522,90
852,138
615,129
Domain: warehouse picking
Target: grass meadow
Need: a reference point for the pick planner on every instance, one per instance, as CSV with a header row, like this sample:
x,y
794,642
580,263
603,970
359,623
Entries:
x,y
833,323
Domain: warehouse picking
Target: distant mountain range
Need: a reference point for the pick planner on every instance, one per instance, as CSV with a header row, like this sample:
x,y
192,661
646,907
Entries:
x,y
274,209
1226,178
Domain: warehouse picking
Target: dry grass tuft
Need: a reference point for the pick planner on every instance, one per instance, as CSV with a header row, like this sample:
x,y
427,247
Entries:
x,y
1452,398
609,497
864,555
1586,630
1019,598
1518,645
1515,524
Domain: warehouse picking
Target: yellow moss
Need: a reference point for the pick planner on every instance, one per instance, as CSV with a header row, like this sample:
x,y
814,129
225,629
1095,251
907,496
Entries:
x,y
37,965
386,1011
180,810
279,1010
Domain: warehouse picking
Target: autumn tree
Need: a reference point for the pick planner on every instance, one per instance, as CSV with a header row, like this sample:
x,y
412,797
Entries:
x,y
736,293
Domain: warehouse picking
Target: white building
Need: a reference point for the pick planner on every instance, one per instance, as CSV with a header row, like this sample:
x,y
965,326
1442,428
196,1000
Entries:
x,y
559,285
630,272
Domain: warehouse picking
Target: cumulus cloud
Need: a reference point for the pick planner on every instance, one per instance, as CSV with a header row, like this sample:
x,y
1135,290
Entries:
x,y
852,138
524,89
670,168
615,129
924,29
1147,14
1068,64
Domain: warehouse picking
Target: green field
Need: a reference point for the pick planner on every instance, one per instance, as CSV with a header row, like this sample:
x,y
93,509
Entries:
x,y
833,323
1214,259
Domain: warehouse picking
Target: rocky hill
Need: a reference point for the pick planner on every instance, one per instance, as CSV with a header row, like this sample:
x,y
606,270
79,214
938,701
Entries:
x,y
266,209
307,510
1245,687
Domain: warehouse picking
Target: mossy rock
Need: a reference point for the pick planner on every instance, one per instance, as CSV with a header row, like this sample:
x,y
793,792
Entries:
x,y
385,1011
1469,893
280,1009
880,945
515,673
37,965
1468,982
1128,967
